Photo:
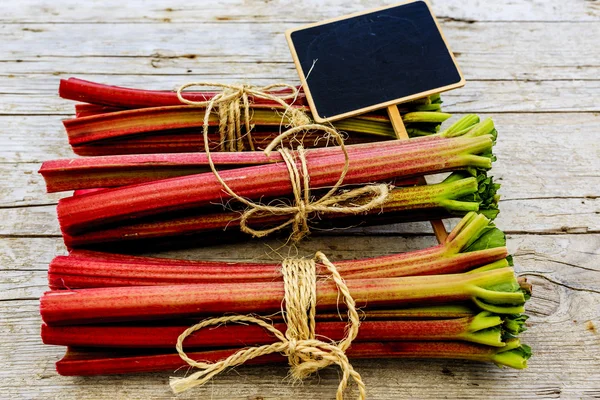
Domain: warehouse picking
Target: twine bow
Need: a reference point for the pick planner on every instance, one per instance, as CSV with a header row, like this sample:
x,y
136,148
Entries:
x,y
235,98
305,353
303,205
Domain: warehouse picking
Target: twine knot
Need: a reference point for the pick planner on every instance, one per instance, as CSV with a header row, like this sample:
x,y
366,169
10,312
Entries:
x,y
234,100
349,202
304,205
305,353
297,117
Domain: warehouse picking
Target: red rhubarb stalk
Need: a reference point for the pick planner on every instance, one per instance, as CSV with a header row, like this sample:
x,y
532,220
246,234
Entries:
x,y
82,362
403,204
121,124
483,328
393,160
85,269
123,170
115,96
67,307
188,140
114,171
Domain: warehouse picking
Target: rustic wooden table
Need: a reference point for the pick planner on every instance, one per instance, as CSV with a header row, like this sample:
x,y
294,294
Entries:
x,y
534,66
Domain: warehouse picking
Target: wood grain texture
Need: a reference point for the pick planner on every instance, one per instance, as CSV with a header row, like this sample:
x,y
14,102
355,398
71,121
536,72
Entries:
x,y
267,11
253,51
530,65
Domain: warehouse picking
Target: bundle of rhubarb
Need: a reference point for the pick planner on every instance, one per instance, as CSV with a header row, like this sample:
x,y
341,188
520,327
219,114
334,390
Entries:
x,y
119,313
116,120
134,198
124,314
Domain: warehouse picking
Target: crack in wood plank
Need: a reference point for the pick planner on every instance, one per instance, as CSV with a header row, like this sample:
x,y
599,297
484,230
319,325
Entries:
x,y
556,282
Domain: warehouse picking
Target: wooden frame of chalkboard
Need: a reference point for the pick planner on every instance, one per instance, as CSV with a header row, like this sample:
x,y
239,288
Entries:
x,y
304,74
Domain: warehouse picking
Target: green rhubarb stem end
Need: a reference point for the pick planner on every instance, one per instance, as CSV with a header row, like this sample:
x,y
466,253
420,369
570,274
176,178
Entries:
x,y
457,128
514,355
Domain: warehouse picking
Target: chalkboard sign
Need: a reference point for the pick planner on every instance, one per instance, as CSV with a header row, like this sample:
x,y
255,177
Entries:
x,y
372,60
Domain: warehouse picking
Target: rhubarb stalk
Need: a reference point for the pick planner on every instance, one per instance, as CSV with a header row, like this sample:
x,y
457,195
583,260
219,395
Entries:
x,y
496,290
483,328
450,198
473,243
81,362
114,171
121,97
121,124
401,159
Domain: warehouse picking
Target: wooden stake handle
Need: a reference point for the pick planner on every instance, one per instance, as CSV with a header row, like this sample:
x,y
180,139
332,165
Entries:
x,y
438,225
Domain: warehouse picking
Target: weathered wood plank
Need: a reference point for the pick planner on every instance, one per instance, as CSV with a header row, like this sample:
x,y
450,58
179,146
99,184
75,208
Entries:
x,y
29,254
475,97
28,187
543,51
508,66
32,139
142,11
146,43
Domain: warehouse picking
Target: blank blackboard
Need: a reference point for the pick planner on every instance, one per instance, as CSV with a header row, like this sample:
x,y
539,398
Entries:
x,y
371,60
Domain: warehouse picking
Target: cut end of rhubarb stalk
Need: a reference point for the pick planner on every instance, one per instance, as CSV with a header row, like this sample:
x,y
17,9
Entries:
x,y
475,232
486,195
460,127
514,355
485,328
499,309
514,325
497,291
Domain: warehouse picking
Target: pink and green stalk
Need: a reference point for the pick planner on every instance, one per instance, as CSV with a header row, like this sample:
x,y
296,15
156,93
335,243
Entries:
x,y
483,328
121,124
190,141
414,203
114,171
87,110
123,170
397,159
82,362
439,311
471,244
496,290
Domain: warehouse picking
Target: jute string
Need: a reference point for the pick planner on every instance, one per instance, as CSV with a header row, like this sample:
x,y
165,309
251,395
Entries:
x,y
304,205
234,101
305,353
